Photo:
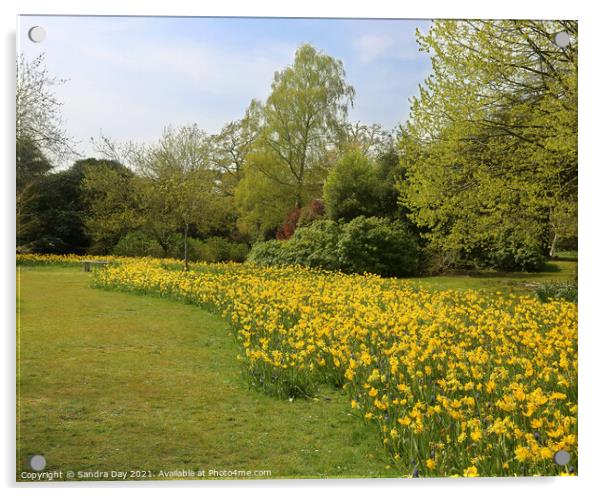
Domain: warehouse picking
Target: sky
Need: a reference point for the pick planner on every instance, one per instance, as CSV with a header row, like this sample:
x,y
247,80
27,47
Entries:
x,y
129,77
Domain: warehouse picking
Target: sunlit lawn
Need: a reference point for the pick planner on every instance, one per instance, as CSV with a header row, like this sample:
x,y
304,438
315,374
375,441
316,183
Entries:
x,y
518,282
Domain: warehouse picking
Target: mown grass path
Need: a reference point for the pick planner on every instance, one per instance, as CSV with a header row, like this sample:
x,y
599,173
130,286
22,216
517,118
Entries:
x,y
113,381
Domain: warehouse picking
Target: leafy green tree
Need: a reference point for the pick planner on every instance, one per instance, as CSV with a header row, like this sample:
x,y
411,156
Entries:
x,y
490,149
59,207
352,187
389,174
230,147
32,165
113,203
262,196
179,192
300,120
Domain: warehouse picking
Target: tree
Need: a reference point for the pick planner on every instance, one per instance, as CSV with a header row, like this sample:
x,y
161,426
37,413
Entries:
x,y
113,203
32,165
58,206
352,188
371,140
230,147
490,148
263,196
180,191
38,109
308,102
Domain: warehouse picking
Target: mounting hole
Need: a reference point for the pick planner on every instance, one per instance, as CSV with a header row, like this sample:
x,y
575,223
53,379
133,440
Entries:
x,y
562,457
37,462
562,39
37,34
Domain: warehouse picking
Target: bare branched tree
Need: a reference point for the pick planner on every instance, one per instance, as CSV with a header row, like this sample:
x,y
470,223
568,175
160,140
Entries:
x,y
39,119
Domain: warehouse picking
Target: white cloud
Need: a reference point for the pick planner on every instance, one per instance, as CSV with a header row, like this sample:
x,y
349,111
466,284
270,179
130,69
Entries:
x,y
210,68
370,46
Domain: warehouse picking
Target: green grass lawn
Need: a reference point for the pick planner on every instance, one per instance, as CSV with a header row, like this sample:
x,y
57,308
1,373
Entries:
x,y
113,381
517,282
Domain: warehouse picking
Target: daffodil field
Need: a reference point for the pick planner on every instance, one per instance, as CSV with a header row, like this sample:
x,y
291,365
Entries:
x,y
457,383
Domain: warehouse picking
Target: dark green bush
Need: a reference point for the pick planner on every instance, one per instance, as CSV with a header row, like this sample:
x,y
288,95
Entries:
x,y
217,249
564,290
268,253
510,254
138,244
379,246
316,245
372,244
238,252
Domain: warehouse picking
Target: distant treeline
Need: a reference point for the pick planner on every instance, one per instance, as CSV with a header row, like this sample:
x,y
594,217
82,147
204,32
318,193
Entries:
x,y
482,175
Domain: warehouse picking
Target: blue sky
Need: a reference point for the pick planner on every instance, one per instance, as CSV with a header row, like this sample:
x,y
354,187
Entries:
x,y
131,76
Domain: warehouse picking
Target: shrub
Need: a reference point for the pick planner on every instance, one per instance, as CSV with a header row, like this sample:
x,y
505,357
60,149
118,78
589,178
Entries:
x,y
316,245
216,249
373,244
564,290
238,252
175,246
266,253
379,246
138,244
510,254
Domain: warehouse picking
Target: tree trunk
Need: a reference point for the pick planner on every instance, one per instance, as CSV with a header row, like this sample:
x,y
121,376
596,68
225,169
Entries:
x,y
554,245
186,247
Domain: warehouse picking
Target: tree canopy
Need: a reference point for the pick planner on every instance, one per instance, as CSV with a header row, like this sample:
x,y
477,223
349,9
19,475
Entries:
x,y
484,170
490,148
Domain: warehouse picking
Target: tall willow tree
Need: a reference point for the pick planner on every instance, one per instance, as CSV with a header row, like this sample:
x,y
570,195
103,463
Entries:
x,y
490,148
300,120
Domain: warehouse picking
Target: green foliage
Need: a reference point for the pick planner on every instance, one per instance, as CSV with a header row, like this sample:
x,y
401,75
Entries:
x,y
213,249
57,206
352,188
138,244
372,244
32,166
316,245
113,203
379,246
229,148
31,163
262,197
564,290
389,173
269,253
510,255
490,149
299,120
216,249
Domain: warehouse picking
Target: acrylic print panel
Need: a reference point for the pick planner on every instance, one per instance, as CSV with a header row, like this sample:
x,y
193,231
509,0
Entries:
x,y
291,248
